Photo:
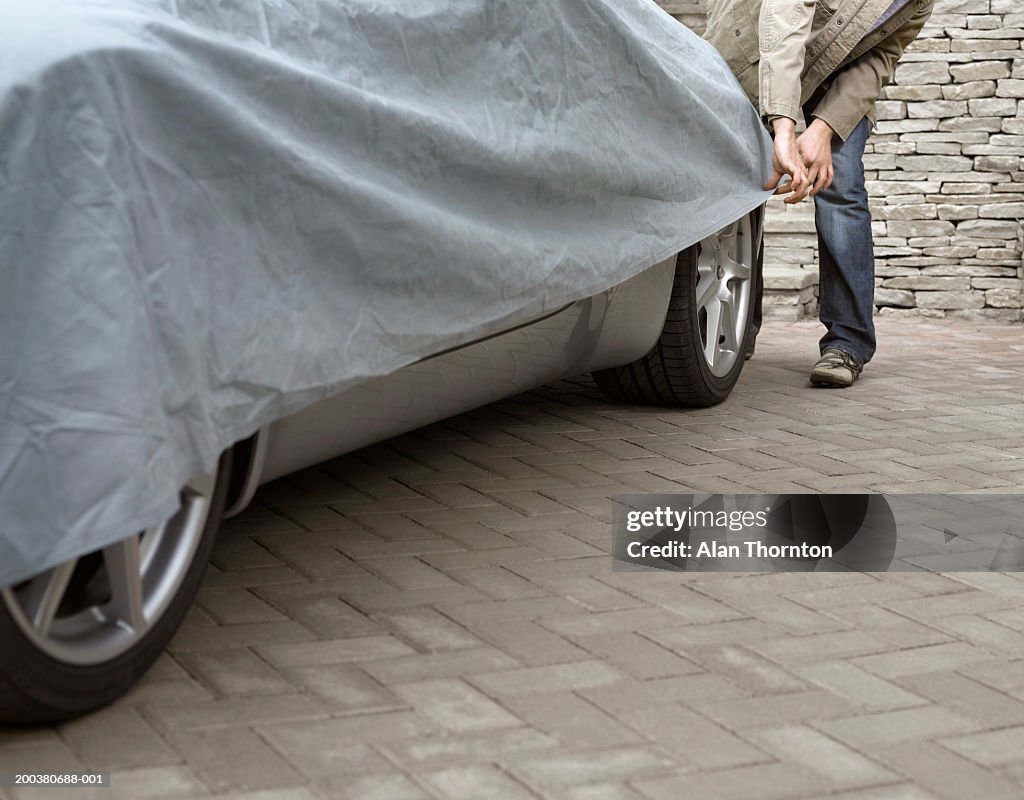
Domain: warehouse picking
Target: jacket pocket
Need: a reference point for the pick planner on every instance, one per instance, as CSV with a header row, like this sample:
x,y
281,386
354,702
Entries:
x,y
744,30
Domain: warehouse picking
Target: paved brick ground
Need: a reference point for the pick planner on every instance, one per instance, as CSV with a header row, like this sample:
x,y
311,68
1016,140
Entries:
x,y
436,618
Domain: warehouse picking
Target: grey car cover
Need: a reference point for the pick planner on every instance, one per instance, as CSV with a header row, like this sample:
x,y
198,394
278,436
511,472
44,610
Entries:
x,y
216,212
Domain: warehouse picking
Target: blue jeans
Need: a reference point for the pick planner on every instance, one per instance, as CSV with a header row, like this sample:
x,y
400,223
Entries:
x,y
846,257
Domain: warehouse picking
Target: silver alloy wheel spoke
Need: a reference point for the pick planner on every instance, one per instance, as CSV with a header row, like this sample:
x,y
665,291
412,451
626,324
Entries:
x,y
714,321
124,571
44,594
737,270
707,287
727,326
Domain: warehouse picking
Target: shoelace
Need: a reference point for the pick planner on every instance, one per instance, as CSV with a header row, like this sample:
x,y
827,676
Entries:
x,y
839,358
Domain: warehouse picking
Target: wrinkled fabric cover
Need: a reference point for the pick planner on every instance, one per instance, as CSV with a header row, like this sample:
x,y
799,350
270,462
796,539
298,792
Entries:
x,y
215,212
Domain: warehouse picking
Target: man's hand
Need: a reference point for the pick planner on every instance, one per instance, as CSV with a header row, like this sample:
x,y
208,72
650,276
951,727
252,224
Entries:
x,y
815,148
787,161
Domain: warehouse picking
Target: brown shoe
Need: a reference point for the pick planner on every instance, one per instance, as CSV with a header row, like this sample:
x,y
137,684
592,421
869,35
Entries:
x,y
836,369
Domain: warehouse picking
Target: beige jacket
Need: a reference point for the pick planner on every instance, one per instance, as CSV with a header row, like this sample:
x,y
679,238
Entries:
x,y
828,43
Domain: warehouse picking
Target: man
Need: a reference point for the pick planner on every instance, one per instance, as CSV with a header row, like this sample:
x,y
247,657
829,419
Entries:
x,y
826,61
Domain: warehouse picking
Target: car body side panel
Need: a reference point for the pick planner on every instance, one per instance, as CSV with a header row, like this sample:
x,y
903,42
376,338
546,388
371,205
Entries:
x,y
608,329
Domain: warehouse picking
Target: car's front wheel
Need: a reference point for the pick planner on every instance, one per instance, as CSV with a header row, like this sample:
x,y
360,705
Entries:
x,y
699,356
79,635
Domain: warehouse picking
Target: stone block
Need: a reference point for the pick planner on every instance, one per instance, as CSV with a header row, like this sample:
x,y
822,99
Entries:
x,y
928,283
1010,87
951,300
990,124
937,108
934,163
992,48
980,71
997,163
905,212
879,161
971,270
986,314
894,188
884,269
969,91
951,251
1002,211
1002,140
922,72
985,22
787,255
988,229
963,137
928,241
905,125
904,199
966,188
897,148
961,6
920,228
956,212
789,278
940,148
912,92
892,109
1008,255
992,107
895,297
1011,284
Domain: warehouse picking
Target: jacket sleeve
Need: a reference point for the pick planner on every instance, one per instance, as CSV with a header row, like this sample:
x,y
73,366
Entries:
x,y
784,26
855,88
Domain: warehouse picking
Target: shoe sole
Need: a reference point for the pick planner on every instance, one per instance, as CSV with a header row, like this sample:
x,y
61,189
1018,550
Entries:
x,y
829,382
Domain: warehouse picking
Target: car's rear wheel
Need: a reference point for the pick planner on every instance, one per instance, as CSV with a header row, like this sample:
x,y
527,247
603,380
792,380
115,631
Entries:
x,y
699,356
79,635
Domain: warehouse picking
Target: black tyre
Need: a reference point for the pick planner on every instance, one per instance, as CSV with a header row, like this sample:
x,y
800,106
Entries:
x,y
78,636
700,354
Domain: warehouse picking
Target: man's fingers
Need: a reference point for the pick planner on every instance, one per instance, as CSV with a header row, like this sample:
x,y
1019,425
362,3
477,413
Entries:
x,y
799,186
829,175
773,181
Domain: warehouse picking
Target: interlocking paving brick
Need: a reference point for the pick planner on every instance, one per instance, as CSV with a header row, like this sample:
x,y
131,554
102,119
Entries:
x,y
878,732
552,678
234,759
694,742
236,671
568,768
427,751
637,655
571,719
429,631
946,774
769,782
868,691
764,710
404,669
456,706
473,782
930,658
116,738
344,688
806,747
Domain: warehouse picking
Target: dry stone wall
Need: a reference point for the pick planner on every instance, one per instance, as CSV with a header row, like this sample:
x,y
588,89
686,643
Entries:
x,y
945,172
